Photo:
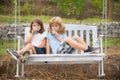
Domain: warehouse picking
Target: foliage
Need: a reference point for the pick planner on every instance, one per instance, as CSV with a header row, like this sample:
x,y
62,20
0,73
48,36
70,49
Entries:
x,y
118,1
5,2
77,6
71,6
26,9
74,8
97,3
5,6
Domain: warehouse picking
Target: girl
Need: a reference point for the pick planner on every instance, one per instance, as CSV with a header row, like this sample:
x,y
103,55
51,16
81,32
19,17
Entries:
x,y
59,43
35,42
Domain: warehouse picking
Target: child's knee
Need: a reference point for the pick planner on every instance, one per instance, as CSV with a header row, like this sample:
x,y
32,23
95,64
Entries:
x,y
75,37
67,39
29,45
86,47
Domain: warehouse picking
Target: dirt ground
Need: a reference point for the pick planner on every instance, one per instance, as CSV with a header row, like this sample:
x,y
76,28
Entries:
x,y
64,71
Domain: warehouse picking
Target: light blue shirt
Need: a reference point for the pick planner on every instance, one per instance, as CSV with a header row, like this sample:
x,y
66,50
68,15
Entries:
x,y
54,43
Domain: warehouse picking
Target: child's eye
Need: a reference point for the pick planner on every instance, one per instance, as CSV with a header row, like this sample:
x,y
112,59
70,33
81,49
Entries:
x,y
37,25
33,25
56,26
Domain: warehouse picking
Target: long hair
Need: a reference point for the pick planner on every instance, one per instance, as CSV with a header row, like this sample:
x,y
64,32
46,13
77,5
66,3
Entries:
x,y
57,20
40,23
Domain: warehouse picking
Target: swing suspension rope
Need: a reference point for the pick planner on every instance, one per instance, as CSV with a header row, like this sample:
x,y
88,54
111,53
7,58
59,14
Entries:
x,y
15,25
104,24
19,17
17,8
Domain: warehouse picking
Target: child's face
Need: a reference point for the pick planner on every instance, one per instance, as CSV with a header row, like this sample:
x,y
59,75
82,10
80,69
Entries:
x,y
55,27
36,26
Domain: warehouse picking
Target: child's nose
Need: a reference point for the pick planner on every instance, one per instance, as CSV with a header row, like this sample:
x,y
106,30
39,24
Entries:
x,y
36,26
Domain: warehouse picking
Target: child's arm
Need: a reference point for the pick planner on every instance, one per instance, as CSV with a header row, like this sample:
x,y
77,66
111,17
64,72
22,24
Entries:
x,y
57,36
29,38
42,44
47,46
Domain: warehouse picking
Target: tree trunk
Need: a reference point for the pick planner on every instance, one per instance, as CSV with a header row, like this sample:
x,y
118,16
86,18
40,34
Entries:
x,y
110,8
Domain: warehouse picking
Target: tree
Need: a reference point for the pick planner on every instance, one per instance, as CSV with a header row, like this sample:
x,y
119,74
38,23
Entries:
x,y
26,9
110,8
77,6
5,2
98,4
71,6
4,6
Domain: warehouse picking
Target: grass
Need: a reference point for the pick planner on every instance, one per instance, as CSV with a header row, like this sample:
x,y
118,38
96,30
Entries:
x,y
4,19
9,19
89,20
113,41
6,44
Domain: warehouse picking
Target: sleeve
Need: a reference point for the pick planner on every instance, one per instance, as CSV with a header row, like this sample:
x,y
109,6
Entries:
x,y
44,34
63,36
47,35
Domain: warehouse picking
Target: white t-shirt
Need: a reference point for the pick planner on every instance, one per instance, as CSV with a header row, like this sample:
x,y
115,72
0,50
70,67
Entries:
x,y
37,39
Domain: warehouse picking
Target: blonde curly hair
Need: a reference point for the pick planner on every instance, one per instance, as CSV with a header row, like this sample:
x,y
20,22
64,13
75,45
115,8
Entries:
x,y
57,20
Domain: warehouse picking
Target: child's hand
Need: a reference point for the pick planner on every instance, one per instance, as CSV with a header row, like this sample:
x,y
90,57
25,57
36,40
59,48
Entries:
x,y
54,33
34,31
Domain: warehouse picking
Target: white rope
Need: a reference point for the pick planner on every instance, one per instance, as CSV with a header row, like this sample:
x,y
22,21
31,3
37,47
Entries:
x,y
16,7
106,26
102,30
104,23
19,16
15,25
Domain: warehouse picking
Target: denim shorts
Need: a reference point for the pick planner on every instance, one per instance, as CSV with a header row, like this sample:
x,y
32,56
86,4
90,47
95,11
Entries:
x,y
40,50
65,48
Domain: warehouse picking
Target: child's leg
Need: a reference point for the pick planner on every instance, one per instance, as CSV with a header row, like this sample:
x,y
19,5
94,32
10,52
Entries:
x,y
31,51
79,40
78,44
27,47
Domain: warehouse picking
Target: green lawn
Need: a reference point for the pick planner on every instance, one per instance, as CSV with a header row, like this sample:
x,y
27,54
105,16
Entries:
x,y
113,41
4,46
9,19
